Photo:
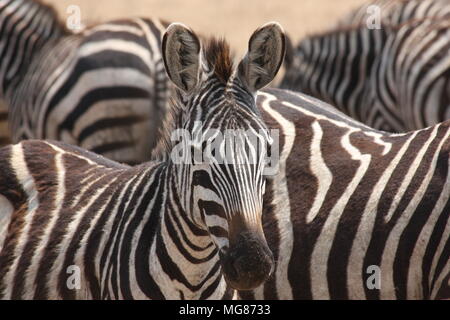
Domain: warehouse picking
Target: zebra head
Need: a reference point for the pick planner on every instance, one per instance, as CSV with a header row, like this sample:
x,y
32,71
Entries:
x,y
223,184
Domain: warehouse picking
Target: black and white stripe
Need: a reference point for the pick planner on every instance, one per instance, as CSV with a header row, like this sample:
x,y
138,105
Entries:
x,y
160,230
104,89
25,26
393,78
396,12
348,197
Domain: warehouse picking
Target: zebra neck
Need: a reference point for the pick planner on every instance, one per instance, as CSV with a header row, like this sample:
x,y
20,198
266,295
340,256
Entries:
x,y
26,26
186,256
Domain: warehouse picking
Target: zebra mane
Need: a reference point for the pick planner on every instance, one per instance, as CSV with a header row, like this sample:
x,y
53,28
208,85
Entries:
x,y
219,57
341,29
170,122
384,26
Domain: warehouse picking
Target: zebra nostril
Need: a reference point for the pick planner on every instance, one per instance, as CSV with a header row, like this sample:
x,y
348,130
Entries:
x,y
250,272
248,263
241,268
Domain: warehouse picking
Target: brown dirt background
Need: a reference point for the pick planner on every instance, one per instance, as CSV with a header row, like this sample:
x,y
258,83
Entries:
x,y
234,19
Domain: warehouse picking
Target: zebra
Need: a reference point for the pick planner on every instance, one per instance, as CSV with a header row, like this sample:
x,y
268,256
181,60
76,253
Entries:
x,y
159,230
351,203
25,26
380,76
103,88
396,12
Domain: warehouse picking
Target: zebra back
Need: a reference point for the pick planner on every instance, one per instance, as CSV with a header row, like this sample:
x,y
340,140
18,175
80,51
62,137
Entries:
x,y
395,12
373,73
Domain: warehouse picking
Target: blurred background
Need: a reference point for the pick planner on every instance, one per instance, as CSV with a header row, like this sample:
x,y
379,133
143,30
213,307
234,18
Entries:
x,y
234,19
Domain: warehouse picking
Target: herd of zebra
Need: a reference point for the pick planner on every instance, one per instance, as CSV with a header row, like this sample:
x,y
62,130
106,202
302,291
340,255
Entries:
x,y
361,192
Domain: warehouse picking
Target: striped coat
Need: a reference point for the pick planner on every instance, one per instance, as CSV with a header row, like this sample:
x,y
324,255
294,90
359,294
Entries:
x,y
392,78
354,213
74,225
395,12
104,89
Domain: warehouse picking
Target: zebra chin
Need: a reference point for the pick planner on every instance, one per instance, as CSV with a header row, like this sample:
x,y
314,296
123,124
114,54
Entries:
x,y
248,263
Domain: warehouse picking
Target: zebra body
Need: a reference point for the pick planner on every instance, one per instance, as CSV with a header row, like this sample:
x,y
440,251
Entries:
x,y
160,230
396,12
106,219
412,80
394,78
104,89
348,200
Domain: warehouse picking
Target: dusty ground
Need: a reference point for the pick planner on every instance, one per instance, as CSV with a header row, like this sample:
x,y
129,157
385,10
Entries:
x,y
234,19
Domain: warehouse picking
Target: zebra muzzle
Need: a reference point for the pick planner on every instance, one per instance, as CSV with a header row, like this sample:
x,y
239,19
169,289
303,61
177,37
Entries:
x,y
248,262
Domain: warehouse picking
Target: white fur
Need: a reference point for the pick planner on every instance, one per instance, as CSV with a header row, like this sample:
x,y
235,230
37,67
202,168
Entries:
x,y
282,206
6,210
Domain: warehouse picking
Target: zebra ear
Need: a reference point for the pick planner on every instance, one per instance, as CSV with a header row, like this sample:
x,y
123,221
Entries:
x,y
266,50
181,54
